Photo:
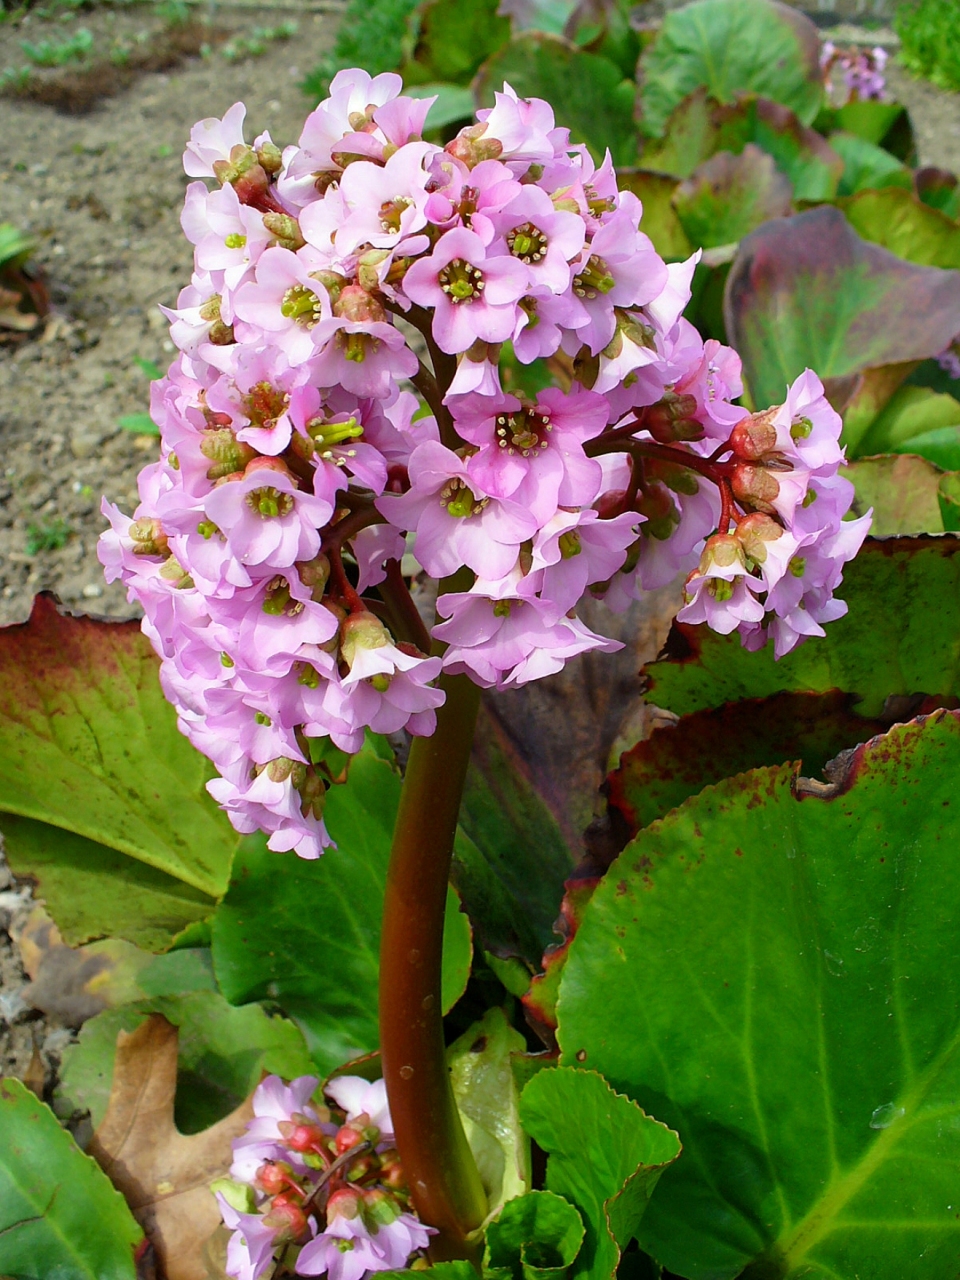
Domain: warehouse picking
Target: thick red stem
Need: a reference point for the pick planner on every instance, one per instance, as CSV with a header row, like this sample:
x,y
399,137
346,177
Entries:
x,y
440,1169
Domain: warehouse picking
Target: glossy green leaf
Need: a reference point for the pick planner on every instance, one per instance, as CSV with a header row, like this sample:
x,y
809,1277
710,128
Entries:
x,y
866,167
813,167
510,859
534,1237
487,1096
59,1214
730,47
454,102
700,126
901,637
899,221
603,1154
677,761
88,743
901,490
587,92
93,891
940,446
869,119
542,15
787,999
910,412
659,221
808,292
948,495
223,1052
307,934
728,196
453,37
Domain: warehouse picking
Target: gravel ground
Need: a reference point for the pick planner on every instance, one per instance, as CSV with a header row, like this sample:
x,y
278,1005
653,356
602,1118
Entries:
x,y
101,193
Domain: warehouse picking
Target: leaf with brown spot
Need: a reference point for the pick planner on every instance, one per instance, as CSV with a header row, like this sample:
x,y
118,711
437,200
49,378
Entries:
x,y
164,1176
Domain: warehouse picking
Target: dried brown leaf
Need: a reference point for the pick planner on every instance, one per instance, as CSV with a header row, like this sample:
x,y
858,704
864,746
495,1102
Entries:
x,y
163,1174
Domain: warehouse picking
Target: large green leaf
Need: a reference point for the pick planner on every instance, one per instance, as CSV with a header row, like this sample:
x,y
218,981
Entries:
x,y
676,762
939,189
534,1237
307,934
901,637
487,1097
700,126
787,998
453,37
731,46
604,1154
899,221
869,119
588,92
807,292
911,411
60,1219
866,167
93,891
510,860
89,745
728,196
901,490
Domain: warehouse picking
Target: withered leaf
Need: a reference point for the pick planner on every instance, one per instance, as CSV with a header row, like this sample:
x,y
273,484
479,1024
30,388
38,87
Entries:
x,y
163,1174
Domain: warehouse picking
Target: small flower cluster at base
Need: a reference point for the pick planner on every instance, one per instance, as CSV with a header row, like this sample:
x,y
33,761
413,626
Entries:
x,y
320,1184
852,73
299,471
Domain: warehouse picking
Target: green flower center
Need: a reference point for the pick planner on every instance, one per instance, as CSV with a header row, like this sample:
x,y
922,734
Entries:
x,y
459,500
391,211
528,243
269,502
593,279
460,281
301,305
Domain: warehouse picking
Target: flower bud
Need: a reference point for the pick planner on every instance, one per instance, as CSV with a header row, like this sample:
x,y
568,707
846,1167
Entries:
x,y
332,281
173,571
391,1171
315,574
361,631
586,368
754,486
358,306
722,551
300,1135
347,1138
272,1177
379,1207
345,1203
285,229
286,1216
754,532
368,273
227,454
656,504
313,794
148,538
671,418
471,147
270,157
755,436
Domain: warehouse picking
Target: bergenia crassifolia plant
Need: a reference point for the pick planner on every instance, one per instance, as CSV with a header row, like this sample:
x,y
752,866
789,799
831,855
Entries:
x,y
334,424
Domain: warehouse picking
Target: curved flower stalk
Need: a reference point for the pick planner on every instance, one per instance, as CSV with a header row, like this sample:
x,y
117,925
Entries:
x,y
336,403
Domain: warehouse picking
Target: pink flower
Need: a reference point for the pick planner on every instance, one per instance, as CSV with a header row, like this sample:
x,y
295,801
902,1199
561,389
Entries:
x,y
212,140
250,1248
286,302
546,240
472,296
456,521
267,519
357,1097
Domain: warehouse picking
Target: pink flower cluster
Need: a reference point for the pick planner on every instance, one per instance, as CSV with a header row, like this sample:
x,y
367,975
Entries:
x,y
324,1181
336,422
853,73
